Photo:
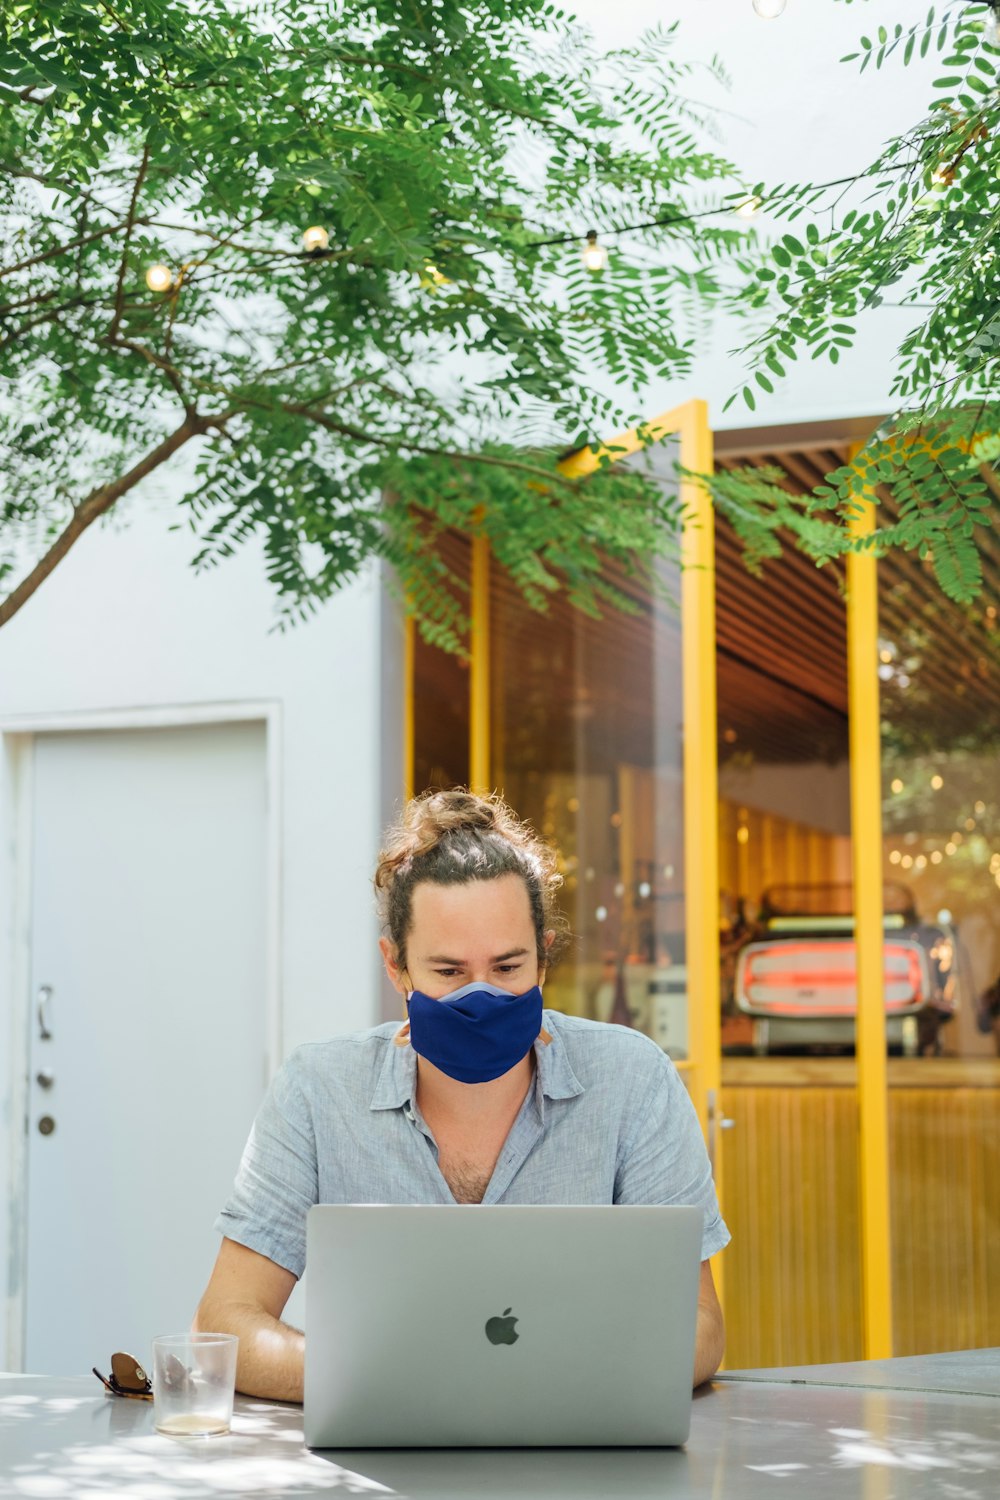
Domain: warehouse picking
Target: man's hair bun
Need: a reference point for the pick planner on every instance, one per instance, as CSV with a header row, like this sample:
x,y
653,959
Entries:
x,y
452,837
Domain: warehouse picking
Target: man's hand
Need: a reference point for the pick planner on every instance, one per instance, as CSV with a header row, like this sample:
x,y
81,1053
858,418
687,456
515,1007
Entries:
x,y
710,1338
246,1295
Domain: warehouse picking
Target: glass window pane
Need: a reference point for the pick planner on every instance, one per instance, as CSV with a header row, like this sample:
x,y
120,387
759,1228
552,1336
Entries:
x,y
790,1163
586,725
939,666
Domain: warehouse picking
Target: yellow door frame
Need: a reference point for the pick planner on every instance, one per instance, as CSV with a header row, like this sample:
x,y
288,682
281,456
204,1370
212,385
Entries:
x,y
409,717
689,424
480,685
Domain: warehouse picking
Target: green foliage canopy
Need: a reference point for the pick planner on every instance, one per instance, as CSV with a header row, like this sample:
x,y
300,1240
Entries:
x,y
421,371
920,228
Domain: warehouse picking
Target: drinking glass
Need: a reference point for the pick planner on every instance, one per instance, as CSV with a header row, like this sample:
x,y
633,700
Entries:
x,y
194,1379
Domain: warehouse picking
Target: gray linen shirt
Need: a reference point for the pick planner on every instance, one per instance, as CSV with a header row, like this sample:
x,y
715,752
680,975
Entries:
x,y
608,1121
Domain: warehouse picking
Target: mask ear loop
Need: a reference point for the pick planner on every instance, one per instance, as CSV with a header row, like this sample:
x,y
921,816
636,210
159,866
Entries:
x,y
402,1037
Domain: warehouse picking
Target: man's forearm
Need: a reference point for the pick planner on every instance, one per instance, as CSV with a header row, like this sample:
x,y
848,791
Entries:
x,y
709,1343
270,1362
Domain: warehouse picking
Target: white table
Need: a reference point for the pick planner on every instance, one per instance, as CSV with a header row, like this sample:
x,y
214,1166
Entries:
x,y
893,1430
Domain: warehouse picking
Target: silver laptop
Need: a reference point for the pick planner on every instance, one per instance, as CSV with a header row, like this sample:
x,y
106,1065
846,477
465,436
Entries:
x,y
501,1326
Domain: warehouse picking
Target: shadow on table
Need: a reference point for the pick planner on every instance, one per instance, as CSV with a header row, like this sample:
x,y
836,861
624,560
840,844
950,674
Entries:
x,y
521,1473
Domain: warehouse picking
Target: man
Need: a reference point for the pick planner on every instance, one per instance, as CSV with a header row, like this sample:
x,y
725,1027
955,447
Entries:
x,y
481,1097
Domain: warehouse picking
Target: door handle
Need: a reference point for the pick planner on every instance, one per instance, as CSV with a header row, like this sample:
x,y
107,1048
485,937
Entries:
x,y
44,996
716,1121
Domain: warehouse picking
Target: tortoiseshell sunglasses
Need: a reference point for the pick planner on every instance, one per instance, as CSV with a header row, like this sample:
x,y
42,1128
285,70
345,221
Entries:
x,y
127,1378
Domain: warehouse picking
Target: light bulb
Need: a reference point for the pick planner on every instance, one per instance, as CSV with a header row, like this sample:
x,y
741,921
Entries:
x,y
748,207
315,238
769,10
159,278
594,256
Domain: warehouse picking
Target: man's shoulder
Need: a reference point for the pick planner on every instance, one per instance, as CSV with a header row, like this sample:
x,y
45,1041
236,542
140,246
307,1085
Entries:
x,y
352,1052
602,1044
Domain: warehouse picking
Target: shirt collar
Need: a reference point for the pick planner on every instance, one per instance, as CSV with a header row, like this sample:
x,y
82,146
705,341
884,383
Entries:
x,y
556,1079
397,1081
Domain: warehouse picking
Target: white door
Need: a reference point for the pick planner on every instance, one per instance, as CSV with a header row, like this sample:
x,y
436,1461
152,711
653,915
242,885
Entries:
x,y
148,1029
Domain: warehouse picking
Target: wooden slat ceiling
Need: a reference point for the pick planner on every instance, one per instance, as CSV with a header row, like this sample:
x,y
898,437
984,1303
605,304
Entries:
x,y
566,686
782,639
793,622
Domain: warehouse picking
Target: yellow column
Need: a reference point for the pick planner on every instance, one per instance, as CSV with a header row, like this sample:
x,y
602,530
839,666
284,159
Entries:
x,y
866,859
701,784
479,667
409,724
701,791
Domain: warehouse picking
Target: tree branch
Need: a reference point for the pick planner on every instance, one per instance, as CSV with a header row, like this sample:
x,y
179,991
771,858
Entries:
x,y
359,435
129,226
83,239
170,370
101,500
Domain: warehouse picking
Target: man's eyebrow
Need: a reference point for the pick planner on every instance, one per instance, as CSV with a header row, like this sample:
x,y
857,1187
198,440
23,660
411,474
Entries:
x,y
459,963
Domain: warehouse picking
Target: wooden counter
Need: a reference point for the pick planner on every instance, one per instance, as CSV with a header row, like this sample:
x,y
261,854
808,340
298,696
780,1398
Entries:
x,y
842,1072
793,1293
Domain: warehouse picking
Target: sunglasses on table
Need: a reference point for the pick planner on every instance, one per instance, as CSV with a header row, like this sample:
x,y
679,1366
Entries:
x,y
127,1378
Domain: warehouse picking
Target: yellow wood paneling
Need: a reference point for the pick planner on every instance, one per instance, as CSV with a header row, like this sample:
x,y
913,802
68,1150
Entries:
x,y
792,1270
944,1170
774,851
792,1204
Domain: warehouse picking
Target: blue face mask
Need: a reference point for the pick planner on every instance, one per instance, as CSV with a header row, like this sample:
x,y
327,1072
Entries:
x,y
476,1033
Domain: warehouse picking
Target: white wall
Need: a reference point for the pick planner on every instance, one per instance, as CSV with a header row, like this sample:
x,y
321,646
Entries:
x,y
124,622
794,114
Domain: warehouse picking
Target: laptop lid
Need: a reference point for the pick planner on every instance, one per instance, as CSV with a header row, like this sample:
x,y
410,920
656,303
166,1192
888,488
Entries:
x,y
499,1326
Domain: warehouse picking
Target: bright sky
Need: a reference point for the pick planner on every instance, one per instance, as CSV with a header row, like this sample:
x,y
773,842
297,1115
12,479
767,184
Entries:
x,y
794,113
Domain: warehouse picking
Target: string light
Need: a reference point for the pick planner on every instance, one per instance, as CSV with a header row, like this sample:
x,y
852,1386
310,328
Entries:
x,y
431,276
316,239
769,10
159,278
937,782
594,256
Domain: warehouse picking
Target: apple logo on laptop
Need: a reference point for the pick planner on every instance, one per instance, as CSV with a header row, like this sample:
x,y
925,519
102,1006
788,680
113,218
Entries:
x,y
501,1330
